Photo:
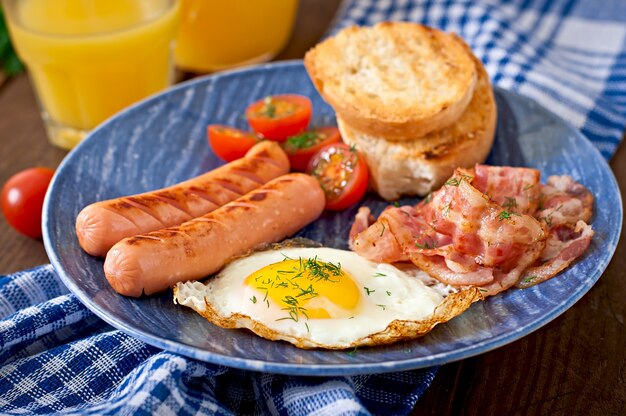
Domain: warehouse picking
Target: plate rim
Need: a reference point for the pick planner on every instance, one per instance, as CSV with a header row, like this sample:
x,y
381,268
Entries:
x,y
314,369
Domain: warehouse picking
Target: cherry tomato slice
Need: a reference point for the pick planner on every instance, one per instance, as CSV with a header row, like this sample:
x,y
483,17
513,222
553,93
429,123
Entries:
x,y
230,143
343,174
278,117
22,199
302,147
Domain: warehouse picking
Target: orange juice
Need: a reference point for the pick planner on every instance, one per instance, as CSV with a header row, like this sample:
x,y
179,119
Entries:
x,y
219,34
90,58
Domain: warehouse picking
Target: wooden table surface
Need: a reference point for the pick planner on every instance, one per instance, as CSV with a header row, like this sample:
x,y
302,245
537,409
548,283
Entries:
x,y
576,365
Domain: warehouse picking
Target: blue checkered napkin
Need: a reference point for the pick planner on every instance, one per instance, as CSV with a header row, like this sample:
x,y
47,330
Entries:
x,y
568,55
56,356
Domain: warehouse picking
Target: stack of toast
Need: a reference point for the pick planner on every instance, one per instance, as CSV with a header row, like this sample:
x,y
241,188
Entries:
x,y
413,100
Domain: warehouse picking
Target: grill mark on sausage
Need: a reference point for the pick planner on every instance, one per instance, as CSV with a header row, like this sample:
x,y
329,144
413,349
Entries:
x,y
142,207
200,193
115,211
266,157
135,240
229,185
246,173
173,203
245,206
206,219
258,196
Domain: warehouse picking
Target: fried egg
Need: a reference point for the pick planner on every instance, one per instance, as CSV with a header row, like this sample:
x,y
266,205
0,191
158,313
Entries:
x,y
321,298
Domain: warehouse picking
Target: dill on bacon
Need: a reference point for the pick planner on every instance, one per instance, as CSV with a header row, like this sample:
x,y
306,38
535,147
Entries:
x,y
510,203
506,215
426,245
457,181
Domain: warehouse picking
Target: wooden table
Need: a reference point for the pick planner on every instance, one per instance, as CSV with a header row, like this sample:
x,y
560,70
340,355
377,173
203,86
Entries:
x,y
576,365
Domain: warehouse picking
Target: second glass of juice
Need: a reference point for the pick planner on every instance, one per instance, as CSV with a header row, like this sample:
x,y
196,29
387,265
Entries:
x,y
220,34
89,59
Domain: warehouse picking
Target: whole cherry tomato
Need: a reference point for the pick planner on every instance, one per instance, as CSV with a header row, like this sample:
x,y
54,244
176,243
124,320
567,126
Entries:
x,y
230,143
343,174
22,199
278,117
302,147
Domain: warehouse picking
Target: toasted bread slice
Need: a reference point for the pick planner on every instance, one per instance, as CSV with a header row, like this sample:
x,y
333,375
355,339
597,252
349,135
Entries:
x,y
421,165
395,79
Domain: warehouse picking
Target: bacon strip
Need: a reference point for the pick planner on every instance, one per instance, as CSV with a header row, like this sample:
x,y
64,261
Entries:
x,y
479,229
515,189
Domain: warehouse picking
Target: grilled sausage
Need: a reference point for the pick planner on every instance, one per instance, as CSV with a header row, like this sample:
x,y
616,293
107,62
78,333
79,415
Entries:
x,y
153,262
102,224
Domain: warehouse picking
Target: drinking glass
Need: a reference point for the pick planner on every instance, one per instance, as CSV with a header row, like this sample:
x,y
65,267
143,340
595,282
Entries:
x,y
220,34
88,59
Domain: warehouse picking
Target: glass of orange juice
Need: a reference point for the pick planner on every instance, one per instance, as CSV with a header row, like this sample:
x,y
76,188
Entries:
x,y
221,34
90,58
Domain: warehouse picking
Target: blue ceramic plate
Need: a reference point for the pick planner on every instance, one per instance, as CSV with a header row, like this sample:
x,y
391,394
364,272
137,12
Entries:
x,y
162,140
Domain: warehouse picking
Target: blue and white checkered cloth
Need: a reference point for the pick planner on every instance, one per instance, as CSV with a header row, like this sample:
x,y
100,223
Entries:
x,y
57,357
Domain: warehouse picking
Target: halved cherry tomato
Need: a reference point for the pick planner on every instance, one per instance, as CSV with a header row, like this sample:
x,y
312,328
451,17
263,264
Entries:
x,y
302,147
22,199
343,174
278,117
230,143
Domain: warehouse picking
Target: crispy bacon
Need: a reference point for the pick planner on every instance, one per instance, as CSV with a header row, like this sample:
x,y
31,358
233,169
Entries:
x,y
479,229
362,220
515,189
564,201
564,245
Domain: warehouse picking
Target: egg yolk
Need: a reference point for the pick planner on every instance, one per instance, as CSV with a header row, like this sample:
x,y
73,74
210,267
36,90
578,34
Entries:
x,y
306,288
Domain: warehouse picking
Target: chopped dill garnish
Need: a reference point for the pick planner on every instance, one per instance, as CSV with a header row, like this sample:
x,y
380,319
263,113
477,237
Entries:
x,y
368,290
294,309
388,293
529,279
446,211
352,353
457,181
383,230
528,186
510,203
308,291
505,215
307,327
428,198
253,299
396,204
427,245
381,307
453,182
380,274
